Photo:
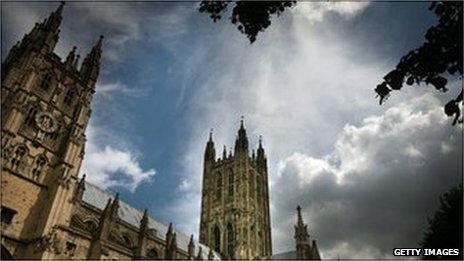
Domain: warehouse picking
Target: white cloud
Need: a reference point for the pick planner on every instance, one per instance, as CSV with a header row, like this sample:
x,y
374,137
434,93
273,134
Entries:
x,y
109,89
315,11
107,166
369,193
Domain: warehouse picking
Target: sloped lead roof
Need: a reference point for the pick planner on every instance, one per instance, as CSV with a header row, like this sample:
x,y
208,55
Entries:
x,y
98,198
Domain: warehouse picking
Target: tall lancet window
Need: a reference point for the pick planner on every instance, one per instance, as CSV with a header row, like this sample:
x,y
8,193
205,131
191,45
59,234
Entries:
x,y
46,81
218,186
217,239
31,115
68,98
39,166
18,156
230,241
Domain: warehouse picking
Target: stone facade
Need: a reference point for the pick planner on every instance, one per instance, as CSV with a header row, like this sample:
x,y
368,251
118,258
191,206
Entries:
x,y
235,217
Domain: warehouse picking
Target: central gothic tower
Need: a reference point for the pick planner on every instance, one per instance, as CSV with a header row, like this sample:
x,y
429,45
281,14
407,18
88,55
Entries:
x,y
235,201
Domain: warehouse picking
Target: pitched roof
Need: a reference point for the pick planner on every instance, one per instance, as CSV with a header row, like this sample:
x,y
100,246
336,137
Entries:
x,y
98,198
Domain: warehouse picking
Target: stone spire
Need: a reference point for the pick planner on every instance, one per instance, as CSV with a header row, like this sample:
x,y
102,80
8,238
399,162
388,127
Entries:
x,y
261,160
70,58
100,237
142,237
200,254
210,152
224,153
241,143
171,244
91,65
303,246
191,248
79,190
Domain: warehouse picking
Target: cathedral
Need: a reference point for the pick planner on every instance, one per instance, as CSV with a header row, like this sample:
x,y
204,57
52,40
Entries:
x,y
48,212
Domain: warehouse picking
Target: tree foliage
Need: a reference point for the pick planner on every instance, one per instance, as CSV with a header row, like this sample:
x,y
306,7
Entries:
x,y
445,228
440,55
250,17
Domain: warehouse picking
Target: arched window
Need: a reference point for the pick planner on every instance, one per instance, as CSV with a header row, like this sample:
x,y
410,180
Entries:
x,y
39,166
258,188
68,98
230,241
46,81
231,183
217,239
18,155
218,186
31,116
91,226
152,254
127,241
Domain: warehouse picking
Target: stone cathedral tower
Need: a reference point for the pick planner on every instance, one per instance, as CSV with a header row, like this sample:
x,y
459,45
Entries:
x,y
45,111
235,217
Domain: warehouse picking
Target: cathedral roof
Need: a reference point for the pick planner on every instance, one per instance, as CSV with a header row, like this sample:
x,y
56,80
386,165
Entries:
x,y
98,198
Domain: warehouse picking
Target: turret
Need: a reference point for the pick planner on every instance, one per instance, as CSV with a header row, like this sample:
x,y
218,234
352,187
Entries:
x,y
41,39
303,247
261,160
91,65
241,143
70,59
79,189
210,152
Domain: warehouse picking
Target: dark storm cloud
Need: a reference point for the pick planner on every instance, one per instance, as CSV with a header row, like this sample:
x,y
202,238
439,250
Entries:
x,y
379,185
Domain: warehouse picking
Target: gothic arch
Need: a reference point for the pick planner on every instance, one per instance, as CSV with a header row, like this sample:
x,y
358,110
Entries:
x,y
217,239
6,255
127,239
230,233
152,254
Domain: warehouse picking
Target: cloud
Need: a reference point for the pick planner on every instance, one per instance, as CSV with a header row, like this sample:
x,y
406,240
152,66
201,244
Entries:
x,y
377,187
107,166
109,89
310,95
315,11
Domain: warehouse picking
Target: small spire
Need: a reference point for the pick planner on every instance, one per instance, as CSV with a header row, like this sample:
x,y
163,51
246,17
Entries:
x,y
300,218
241,121
59,10
191,248
76,61
211,134
224,153
99,43
83,179
200,254
260,141
170,228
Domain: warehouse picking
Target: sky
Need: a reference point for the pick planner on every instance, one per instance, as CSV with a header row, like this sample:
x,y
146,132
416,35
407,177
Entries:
x,y
366,176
